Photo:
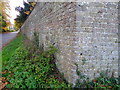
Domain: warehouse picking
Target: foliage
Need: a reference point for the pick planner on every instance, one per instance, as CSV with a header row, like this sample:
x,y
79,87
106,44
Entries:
x,y
3,23
24,13
4,9
4,14
100,82
30,68
11,30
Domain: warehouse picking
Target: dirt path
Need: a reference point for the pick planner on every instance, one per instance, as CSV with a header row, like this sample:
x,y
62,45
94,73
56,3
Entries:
x,y
5,38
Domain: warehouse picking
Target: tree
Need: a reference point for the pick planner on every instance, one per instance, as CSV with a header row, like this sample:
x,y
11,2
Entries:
x,y
4,9
23,13
4,14
3,23
17,24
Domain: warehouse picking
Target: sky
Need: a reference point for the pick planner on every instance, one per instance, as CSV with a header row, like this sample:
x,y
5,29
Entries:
x,y
13,4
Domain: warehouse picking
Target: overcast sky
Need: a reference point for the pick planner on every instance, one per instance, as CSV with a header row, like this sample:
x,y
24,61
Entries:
x,y
13,4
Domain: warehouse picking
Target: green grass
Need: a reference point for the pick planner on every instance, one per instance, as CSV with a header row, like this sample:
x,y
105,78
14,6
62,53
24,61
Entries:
x,y
9,50
25,66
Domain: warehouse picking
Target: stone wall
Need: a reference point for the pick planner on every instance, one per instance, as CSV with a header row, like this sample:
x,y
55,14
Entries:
x,y
86,35
97,32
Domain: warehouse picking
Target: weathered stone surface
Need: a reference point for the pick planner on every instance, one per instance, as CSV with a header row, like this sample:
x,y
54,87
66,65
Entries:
x,y
85,34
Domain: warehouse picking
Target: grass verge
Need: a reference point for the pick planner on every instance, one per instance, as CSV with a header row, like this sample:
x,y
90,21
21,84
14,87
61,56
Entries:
x,y
9,50
25,66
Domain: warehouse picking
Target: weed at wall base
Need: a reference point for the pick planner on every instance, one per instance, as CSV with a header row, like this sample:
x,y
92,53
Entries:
x,y
30,68
102,82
